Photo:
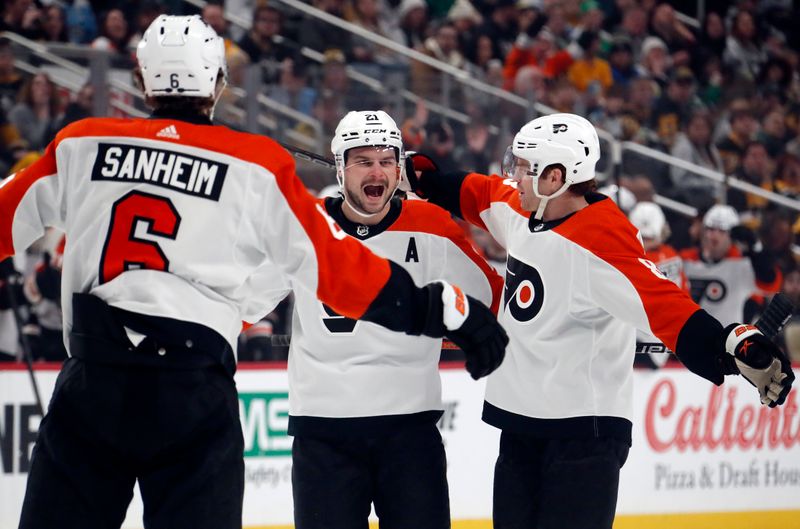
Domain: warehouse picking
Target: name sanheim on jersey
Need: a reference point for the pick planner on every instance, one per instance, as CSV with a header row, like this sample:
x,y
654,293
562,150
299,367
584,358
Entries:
x,y
223,212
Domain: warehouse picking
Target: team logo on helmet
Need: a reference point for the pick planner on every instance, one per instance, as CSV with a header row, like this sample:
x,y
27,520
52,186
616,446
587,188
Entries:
x,y
524,291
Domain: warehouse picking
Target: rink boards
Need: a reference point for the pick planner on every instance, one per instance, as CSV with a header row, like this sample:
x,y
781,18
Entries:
x,y
703,457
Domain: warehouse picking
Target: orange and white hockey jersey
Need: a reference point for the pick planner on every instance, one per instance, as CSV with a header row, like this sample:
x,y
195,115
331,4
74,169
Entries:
x,y
722,288
358,371
576,289
178,218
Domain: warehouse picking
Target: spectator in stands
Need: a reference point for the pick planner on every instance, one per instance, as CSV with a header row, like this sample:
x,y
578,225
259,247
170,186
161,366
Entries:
x,y
678,38
476,151
264,41
539,50
641,97
11,80
743,51
654,60
444,46
773,133
482,56
115,36
590,73
213,14
757,168
500,25
37,112
671,111
787,176
712,40
413,20
80,107
54,24
722,275
563,97
531,83
23,17
694,145
367,15
591,18
320,36
466,19
633,27
441,142
148,11
620,58
12,146
608,116
777,236
293,89
743,127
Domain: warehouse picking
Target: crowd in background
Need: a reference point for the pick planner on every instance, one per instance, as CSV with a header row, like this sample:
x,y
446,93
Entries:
x,y
723,94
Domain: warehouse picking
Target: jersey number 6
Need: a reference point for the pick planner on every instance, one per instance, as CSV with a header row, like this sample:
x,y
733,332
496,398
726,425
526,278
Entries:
x,y
123,250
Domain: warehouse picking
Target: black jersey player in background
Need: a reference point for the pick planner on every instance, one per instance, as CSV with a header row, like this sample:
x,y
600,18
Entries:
x,y
364,401
167,220
578,284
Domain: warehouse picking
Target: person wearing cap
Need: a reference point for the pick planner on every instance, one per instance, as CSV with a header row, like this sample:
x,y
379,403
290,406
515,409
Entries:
x,y
671,111
620,58
654,60
728,266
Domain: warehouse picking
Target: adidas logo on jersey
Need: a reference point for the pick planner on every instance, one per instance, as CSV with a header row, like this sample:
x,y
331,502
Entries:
x,y
169,132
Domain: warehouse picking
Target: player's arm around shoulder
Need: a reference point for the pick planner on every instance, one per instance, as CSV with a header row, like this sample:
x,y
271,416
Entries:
x,y
464,194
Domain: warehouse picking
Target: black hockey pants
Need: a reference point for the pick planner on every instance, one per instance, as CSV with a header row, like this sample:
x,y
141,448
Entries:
x,y
557,483
162,413
403,473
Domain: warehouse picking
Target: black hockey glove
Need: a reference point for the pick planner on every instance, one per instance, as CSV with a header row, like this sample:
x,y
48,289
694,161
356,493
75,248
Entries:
x,y
745,239
469,324
427,169
757,359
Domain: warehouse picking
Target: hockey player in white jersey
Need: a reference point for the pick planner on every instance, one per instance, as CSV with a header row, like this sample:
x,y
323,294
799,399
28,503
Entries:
x,y
169,221
364,401
577,286
723,273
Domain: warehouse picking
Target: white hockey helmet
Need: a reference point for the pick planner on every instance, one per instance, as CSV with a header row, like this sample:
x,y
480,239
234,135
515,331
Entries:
x,y
649,219
365,128
622,196
566,139
721,217
181,56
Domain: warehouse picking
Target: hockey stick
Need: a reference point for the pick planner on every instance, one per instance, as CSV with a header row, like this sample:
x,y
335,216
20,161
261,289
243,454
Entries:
x,y
770,323
13,281
308,156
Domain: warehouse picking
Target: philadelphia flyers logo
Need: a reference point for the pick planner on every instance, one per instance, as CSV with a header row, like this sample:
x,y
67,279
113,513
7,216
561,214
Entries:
x,y
524,290
712,290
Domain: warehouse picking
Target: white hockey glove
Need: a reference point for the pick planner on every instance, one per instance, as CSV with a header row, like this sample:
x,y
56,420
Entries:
x,y
759,361
469,324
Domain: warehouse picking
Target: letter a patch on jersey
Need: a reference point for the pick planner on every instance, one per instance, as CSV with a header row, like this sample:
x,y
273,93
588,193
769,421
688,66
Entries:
x,y
411,251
